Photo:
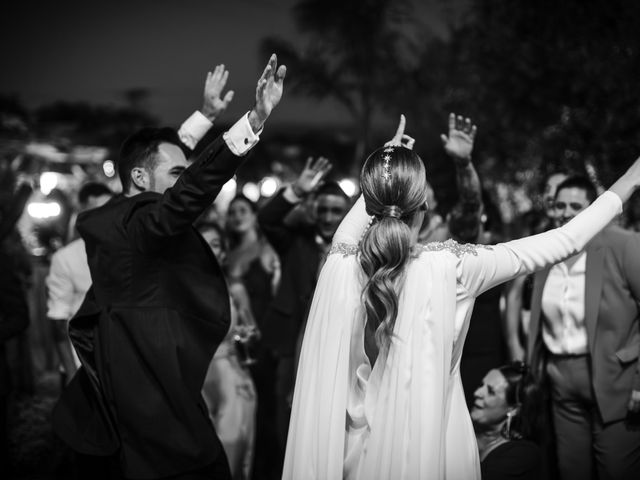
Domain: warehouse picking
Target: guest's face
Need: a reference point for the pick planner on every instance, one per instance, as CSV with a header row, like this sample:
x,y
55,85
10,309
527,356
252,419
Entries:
x,y
170,164
490,403
212,237
240,218
330,210
549,193
569,202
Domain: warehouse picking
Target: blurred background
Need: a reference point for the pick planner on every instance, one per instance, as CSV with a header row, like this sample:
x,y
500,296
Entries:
x,y
552,85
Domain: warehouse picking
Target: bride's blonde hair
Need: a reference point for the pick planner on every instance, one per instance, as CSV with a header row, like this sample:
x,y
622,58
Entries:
x,y
394,185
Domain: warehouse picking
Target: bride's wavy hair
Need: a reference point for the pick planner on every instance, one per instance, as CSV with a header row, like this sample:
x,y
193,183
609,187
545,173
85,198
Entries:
x,y
394,185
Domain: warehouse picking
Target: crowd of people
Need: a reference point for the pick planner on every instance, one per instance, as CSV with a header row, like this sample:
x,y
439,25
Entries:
x,y
314,336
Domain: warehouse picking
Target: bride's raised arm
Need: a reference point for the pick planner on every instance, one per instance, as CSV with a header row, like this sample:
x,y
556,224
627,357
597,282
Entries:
x,y
486,267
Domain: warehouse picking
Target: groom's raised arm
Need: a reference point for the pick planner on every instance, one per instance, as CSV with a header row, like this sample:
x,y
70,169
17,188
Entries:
x,y
201,182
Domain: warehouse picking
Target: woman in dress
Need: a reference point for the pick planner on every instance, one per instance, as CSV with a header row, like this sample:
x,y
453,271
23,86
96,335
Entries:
x,y
250,258
378,392
252,262
228,389
505,416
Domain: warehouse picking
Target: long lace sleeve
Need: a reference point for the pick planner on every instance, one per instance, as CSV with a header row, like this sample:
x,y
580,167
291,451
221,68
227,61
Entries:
x,y
487,267
353,224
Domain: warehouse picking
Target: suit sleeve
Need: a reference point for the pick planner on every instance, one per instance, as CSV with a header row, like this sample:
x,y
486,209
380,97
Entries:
x,y
148,223
631,265
271,220
490,266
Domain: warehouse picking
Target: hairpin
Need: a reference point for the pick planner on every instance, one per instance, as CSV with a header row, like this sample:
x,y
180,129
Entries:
x,y
386,173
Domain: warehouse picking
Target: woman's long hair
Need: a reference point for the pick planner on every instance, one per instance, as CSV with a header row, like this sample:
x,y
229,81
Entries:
x,y
394,185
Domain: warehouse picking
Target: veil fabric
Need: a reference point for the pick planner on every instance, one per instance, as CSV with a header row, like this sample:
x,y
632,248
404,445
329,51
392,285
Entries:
x,y
392,421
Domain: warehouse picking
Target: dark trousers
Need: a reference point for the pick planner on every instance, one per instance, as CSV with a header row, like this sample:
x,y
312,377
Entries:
x,y
107,468
587,448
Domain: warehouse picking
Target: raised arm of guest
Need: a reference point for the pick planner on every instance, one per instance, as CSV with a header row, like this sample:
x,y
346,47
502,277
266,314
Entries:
x,y
213,104
458,145
271,216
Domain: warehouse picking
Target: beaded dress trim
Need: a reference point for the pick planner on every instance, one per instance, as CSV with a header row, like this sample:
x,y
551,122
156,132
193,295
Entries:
x,y
458,249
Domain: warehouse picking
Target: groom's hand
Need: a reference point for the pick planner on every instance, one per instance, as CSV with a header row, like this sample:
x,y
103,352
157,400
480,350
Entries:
x,y
268,93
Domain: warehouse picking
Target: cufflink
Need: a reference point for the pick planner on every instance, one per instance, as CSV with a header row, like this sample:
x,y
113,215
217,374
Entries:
x,y
246,141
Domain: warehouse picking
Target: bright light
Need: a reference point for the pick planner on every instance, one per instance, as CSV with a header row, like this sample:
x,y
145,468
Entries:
x,y
251,191
42,210
109,168
348,185
48,181
229,188
268,186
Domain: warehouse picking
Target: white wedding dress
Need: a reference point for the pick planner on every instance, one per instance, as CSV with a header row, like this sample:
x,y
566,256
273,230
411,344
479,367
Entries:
x,y
406,418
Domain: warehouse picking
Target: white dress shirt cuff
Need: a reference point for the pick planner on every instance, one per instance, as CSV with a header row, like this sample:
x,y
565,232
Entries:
x,y
193,129
240,138
290,196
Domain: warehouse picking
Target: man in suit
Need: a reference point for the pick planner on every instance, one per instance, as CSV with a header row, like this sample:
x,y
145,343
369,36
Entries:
x,y
158,307
302,248
585,322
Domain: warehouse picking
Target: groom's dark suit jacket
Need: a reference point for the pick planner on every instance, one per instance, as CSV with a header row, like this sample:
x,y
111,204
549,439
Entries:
x,y
612,318
148,327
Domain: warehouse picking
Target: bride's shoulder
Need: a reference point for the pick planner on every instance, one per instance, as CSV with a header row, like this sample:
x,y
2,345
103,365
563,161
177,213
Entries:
x,y
450,246
344,249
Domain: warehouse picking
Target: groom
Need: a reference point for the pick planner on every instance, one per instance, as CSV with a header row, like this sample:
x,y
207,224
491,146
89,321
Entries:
x,y
158,308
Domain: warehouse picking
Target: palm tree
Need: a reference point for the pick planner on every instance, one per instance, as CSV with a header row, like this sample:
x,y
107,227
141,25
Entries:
x,y
356,53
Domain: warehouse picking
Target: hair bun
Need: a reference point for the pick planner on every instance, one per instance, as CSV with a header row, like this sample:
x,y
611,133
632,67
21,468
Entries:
x,y
392,211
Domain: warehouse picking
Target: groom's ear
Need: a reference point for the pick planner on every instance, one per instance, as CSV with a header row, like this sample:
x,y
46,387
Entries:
x,y
140,178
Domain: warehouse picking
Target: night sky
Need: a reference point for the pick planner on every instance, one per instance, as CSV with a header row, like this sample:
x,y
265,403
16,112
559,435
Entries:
x,y
94,51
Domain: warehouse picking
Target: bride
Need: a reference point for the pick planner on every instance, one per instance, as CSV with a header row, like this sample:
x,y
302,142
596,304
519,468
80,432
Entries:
x,y
378,392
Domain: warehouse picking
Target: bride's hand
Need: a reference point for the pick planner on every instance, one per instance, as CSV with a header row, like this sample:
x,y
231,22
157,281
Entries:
x,y
628,182
400,139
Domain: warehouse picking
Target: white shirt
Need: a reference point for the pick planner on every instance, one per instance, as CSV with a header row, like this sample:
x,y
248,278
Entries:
x,y
68,281
564,331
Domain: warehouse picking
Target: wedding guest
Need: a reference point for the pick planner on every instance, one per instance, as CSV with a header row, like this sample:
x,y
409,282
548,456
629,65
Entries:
x,y
302,249
253,263
228,389
584,341
504,415
251,259
519,290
